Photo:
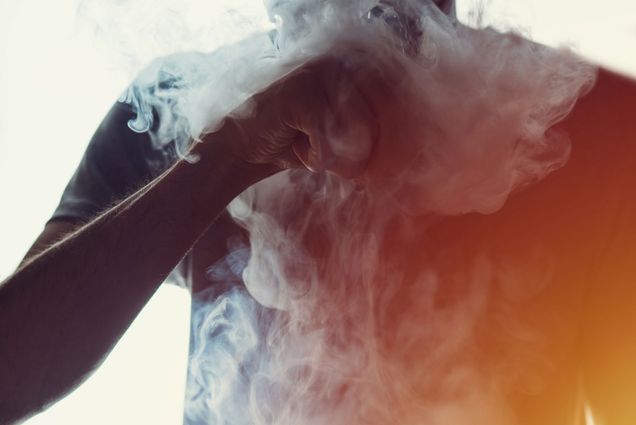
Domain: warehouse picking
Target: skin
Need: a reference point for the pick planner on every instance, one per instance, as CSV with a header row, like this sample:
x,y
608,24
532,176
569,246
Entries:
x,y
87,287
82,294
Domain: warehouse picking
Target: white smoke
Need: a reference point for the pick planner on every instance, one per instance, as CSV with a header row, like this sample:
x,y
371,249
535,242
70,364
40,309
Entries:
x,y
354,312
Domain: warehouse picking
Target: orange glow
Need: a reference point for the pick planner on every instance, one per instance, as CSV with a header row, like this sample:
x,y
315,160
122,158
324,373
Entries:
x,y
589,417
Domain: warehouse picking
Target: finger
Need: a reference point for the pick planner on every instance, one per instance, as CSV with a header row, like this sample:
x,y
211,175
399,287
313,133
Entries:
x,y
301,148
352,134
351,127
311,146
337,120
296,156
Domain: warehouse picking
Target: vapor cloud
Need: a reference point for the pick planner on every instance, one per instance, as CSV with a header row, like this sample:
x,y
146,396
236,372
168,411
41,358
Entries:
x,y
340,320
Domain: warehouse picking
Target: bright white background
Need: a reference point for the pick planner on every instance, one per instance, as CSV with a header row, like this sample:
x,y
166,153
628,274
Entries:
x,y
63,63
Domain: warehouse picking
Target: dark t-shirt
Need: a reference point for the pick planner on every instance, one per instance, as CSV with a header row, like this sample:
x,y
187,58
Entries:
x,y
116,162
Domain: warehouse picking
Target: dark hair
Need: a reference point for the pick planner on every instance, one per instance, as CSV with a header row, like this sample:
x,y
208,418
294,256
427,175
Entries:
x,y
403,20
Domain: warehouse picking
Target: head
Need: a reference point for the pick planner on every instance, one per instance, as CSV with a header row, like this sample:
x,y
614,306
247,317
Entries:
x,y
403,17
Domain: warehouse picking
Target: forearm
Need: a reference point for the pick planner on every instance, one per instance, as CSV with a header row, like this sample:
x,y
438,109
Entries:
x,y
65,308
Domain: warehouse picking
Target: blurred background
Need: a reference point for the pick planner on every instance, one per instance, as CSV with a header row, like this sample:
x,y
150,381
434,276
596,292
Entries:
x,y
62,65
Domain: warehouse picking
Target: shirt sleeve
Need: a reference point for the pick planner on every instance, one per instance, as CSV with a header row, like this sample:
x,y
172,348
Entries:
x,y
116,162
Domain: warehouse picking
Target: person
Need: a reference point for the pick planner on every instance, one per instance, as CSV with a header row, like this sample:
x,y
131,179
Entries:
x,y
100,259
114,239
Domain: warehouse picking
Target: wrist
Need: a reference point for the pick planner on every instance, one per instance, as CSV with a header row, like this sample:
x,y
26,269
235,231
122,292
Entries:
x,y
217,158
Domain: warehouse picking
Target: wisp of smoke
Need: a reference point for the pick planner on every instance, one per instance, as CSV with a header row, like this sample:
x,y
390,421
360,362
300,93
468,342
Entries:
x,y
339,320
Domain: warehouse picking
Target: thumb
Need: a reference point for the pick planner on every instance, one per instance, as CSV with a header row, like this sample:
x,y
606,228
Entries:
x,y
309,150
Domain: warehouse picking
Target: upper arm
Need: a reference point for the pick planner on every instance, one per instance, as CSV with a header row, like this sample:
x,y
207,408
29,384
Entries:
x,y
603,132
117,161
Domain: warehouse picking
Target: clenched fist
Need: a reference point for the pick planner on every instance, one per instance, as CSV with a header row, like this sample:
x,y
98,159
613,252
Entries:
x,y
326,116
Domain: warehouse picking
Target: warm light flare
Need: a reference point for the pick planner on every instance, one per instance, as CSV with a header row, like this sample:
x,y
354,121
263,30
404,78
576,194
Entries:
x,y
589,417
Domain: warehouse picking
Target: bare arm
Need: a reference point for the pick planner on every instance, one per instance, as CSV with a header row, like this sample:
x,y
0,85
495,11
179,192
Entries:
x,y
66,307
